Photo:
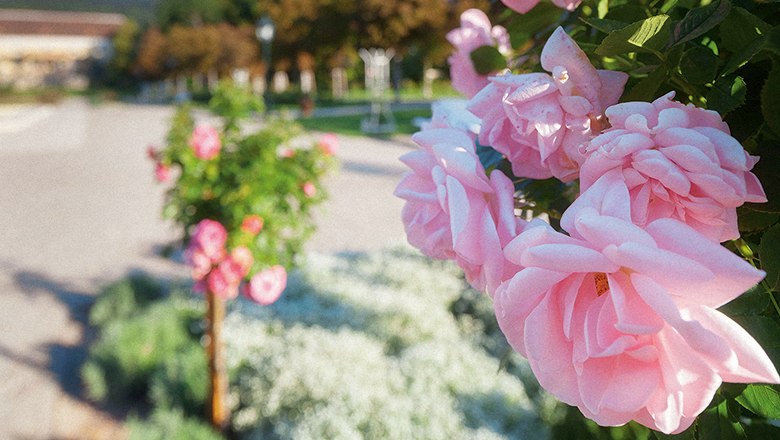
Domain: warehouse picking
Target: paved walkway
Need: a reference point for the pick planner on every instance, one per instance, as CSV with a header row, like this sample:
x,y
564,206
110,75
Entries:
x,y
79,208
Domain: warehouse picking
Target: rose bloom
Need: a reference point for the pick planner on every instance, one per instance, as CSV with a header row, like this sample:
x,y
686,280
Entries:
x,y
474,32
210,237
678,161
309,189
538,121
329,144
242,256
199,262
252,224
454,211
162,172
523,6
452,113
221,281
621,320
205,142
287,153
265,287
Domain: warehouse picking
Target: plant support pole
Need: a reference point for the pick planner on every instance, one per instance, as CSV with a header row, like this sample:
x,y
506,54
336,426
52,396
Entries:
x,y
219,413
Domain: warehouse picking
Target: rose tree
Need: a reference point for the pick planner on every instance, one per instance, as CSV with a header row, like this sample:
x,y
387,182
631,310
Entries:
x,y
643,136
244,204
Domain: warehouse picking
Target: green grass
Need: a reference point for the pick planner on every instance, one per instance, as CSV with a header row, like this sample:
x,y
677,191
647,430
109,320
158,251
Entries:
x,y
350,125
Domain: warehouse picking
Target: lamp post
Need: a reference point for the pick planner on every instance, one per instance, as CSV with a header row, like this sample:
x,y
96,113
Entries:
x,y
265,31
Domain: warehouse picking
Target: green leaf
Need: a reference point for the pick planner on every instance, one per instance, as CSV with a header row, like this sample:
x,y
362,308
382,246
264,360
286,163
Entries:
x,y
751,220
524,26
763,400
726,94
752,302
715,424
648,35
772,41
646,88
699,65
603,8
487,59
700,20
740,29
604,25
769,251
770,100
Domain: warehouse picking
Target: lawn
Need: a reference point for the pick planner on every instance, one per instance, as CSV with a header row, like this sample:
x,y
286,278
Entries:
x,y
350,125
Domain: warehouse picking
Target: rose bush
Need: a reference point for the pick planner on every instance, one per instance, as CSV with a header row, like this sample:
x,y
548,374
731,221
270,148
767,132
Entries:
x,y
643,136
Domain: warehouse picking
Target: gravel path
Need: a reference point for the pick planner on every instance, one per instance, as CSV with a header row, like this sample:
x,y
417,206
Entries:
x,y
80,209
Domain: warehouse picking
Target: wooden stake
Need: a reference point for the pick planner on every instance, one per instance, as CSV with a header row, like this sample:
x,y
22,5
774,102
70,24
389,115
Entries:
x,y
219,413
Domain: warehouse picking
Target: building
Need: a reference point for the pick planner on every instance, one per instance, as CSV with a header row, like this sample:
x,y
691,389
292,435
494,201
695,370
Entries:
x,y
52,48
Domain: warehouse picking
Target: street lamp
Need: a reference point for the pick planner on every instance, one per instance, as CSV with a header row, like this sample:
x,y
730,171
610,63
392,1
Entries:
x,y
264,31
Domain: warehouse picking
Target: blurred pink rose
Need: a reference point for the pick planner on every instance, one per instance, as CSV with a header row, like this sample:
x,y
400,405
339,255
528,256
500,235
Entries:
x,y
265,287
329,144
162,172
210,237
523,6
252,224
538,121
287,153
309,189
205,142
220,281
621,320
678,161
242,256
474,32
199,262
454,211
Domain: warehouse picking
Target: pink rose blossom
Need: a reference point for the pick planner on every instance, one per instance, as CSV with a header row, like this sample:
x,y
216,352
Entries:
x,y
162,172
621,320
287,153
452,113
242,256
454,211
475,32
523,6
329,144
538,121
678,161
220,281
309,189
199,262
265,287
205,142
210,237
252,224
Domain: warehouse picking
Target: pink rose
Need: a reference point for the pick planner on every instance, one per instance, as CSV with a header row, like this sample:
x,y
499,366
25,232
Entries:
x,y
265,287
329,144
523,6
475,32
199,262
210,237
220,282
252,224
678,161
162,172
205,142
452,113
309,189
243,257
621,320
287,153
538,121
454,211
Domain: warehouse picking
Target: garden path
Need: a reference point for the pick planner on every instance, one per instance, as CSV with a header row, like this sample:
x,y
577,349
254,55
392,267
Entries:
x,y
80,209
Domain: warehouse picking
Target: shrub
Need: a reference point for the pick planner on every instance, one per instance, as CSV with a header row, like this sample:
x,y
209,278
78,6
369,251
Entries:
x,y
170,425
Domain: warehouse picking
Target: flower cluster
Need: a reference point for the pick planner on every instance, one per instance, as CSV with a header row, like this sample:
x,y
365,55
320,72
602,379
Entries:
x,y
616,311
243,201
